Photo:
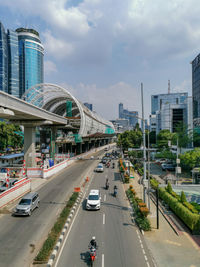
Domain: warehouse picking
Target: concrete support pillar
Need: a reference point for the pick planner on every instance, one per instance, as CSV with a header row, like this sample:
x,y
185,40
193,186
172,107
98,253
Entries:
x,y
53,143
29,145
79,148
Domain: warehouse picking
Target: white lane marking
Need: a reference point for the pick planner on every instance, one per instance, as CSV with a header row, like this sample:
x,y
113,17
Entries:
x,y
106,175
102,260
104,218
143,251
62,247
104,198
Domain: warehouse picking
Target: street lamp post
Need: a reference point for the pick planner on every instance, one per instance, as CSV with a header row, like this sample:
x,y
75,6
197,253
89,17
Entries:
x,y
144,143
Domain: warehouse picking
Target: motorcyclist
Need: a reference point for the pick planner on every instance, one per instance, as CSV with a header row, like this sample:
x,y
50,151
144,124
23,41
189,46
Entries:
x,y
115,190
93,242
107,183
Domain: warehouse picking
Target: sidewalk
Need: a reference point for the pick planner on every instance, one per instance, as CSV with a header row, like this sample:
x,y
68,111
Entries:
x,y
168,248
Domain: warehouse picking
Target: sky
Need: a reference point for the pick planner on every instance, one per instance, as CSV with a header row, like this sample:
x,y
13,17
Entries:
x,y
102,50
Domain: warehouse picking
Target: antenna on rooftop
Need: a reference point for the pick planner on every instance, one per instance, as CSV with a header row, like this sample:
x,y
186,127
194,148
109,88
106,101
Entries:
x,y
168,86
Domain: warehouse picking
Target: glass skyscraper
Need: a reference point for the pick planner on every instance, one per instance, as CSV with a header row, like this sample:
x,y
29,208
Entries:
x,y
31,53
13,63
3,60
196,89
129,115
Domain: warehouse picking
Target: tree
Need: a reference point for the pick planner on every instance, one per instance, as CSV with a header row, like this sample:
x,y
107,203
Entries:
x,y
163,137
8,136
190,159
130,139
182,134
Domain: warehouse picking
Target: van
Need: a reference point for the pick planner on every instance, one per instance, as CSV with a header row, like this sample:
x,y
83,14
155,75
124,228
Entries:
x,y
27,204
93,200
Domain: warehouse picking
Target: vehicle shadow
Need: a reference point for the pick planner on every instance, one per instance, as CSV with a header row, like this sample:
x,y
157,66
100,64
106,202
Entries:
x,y
85,257
115,206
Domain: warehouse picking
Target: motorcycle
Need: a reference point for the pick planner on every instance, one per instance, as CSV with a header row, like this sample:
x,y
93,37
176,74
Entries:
x,y
113,165
115,192
92,254
107,186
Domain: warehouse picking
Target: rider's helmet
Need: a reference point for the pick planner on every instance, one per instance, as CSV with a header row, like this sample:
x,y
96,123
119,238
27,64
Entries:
x,y
93,238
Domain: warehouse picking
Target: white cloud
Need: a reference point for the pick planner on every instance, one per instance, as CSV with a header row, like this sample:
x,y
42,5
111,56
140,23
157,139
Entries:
x,y
57,48
50,67
106,100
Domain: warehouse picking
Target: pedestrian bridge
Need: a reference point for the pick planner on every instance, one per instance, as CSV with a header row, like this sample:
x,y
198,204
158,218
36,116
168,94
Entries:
x,y
54,107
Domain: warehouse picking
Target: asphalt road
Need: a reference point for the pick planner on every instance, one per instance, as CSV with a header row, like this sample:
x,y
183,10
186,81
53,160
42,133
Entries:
x,y
119,241
20,237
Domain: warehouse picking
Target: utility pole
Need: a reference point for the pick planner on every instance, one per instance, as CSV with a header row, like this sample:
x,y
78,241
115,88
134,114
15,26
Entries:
x,y
144,144
148,174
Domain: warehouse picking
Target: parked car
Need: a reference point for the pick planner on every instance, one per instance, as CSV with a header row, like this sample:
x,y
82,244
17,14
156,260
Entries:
x,y
93,200
27,204
99,168
168,166
160,161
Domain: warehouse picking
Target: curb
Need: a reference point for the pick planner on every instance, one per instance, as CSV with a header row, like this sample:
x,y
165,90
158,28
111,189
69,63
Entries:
x,y
64,230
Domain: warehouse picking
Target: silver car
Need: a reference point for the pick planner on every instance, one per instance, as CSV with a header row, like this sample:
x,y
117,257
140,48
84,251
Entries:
x,y
27,204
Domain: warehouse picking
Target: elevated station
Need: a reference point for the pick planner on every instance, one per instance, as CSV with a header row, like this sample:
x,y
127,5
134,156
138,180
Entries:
x,y
58,115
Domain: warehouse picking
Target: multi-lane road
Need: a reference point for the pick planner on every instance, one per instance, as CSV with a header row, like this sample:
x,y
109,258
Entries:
x,y
120,244
119,240
20,237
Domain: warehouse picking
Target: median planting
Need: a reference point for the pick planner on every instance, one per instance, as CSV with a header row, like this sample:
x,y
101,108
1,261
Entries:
x,y
50,242
140,209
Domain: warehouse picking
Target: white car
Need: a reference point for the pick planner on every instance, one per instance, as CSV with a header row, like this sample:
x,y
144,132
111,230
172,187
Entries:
x,y
99,168
93,200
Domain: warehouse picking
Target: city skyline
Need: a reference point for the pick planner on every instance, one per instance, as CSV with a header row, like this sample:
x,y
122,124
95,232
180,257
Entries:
x,y
104,61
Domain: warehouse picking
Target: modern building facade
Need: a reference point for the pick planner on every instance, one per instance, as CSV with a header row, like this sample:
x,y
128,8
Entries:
x,y
3,60
21,60
31,53
89,106
167,110
196,90
13,63
131,116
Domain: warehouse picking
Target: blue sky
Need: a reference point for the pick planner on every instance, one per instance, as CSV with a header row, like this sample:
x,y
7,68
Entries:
x,y
101,50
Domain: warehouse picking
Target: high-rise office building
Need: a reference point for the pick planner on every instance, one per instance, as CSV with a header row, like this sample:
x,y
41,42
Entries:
x,y
129,115
3,60
13,63
196,90
31,53
167,110
89,106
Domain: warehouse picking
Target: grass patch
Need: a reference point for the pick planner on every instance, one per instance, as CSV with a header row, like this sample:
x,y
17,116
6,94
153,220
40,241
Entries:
x,y
55,232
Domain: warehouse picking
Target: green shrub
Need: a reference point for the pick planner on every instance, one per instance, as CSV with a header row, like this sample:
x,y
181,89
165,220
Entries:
x,y
190,219
126,180
183,197
51,240
169,188
138,200
190,207
154,183
175,195
143,223
197,206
